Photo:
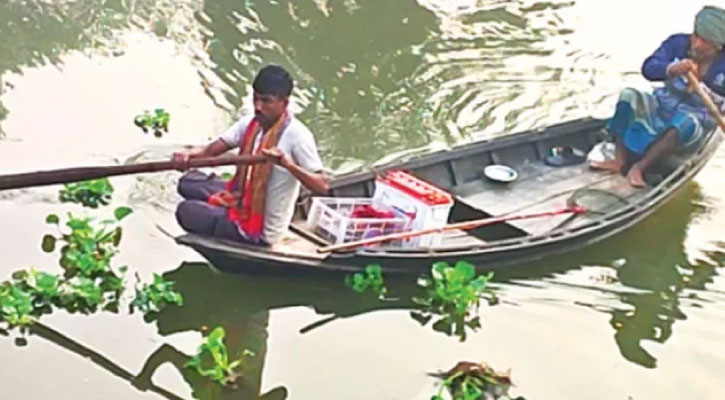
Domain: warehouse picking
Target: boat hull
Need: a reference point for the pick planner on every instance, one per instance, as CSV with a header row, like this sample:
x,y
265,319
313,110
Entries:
x,y
233,257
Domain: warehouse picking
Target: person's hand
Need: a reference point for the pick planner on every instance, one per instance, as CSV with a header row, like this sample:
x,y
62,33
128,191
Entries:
x,y
682,67
180,160
222,199
276,156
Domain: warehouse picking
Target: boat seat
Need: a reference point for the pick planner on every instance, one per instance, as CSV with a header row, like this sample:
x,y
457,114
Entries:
x,y
539,188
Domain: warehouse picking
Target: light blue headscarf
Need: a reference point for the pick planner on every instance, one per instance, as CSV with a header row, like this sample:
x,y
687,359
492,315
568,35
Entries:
x,y
710,25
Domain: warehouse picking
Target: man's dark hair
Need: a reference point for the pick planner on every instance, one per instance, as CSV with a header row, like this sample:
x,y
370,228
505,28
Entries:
x,y
273,80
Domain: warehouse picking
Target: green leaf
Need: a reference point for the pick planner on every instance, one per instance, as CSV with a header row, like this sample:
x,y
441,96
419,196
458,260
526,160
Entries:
x,y
48,244
122,212
438,271
465,270
217,335
374,270
52,219
247,353
117,236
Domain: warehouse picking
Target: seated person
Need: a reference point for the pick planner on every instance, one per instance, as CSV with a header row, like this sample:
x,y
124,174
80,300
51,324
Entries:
x,y
257,204
651,126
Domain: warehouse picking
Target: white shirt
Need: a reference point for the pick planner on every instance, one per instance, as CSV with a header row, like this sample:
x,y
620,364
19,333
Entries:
x,y
298,144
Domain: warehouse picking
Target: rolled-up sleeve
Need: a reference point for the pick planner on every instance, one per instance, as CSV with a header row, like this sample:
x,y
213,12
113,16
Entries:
x,y
233,136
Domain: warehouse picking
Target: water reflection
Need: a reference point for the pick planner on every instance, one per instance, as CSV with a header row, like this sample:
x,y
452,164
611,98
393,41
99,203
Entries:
x,y
245,332
99,359
646,275
241,304
657,265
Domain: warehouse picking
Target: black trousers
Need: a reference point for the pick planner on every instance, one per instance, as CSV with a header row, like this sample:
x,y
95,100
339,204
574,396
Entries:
x,y
195,215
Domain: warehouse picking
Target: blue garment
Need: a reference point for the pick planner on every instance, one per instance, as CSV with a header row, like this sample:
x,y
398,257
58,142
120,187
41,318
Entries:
x,y
641,118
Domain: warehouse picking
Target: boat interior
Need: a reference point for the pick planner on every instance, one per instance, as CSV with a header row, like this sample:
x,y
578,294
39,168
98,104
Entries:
x,y
538,188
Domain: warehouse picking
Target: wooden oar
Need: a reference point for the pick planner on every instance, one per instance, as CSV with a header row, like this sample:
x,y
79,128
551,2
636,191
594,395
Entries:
x,y
459,225
711,107
66,175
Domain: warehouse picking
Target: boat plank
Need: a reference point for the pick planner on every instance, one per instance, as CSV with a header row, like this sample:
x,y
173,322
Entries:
x,y
534,184
293,244
539,188
617,185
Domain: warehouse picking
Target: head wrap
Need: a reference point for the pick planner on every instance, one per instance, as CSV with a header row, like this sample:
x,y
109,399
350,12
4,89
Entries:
x,y
710,25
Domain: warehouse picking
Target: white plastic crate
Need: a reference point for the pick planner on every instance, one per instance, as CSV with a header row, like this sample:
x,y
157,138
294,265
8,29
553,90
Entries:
x,y
331,218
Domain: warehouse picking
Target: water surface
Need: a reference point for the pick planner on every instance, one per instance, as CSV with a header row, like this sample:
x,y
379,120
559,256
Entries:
x,y
638,316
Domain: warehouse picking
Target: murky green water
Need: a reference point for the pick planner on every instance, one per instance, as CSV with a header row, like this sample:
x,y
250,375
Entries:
x,y
639,316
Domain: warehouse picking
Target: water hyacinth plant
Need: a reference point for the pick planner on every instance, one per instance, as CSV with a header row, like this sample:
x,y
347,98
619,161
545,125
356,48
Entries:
x,y
453,293
474,381
88,246
371,278
86,253
157,122
155,296
16,306
92,193
44,288
212,359
89,282
32,293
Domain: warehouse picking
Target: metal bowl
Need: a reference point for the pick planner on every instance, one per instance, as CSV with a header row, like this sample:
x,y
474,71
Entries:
x,y
500,173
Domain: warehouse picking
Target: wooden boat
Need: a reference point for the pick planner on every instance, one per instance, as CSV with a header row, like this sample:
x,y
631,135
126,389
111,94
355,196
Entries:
x,y
539,187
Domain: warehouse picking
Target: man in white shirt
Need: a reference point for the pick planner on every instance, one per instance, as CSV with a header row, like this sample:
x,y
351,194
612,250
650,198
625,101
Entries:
x,y
257,205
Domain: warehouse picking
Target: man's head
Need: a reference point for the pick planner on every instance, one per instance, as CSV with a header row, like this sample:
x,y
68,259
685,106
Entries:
x,y
709,37
272,88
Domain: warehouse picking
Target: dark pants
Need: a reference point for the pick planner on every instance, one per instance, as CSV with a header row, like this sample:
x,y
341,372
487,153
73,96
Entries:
x,y
196,215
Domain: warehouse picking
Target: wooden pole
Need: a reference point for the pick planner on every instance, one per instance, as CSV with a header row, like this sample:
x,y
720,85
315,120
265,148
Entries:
x,y
711,107
66,175
459,225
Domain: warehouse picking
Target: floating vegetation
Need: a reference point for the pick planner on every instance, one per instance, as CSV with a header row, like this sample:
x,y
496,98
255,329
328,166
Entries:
x,y
212,359
89,282
371,278
88,246
90,193
85,256
474,381
454,294
157,122
155,296
16,305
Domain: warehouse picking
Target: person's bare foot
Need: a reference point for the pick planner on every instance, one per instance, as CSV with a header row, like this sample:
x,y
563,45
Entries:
x,y
607,165
635,177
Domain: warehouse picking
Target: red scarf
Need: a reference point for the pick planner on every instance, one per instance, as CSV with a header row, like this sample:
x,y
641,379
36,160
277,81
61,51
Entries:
x,y
246,206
